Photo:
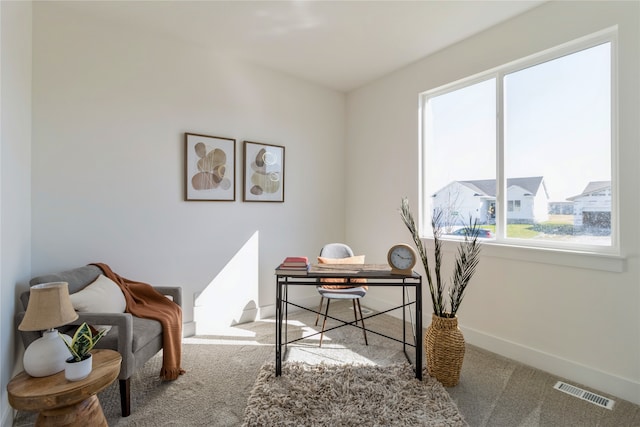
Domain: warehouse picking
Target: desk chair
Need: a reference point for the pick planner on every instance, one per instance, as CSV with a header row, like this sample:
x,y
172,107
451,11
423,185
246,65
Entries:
x,y
340,253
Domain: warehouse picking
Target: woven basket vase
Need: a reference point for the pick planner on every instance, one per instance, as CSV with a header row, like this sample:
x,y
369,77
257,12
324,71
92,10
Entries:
x,y
444,347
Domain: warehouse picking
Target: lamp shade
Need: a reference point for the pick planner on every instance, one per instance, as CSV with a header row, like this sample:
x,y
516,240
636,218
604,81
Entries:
x,y
49,307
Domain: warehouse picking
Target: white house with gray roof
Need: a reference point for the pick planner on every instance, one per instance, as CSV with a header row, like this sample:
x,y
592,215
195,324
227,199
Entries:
x,y
527,200
592,207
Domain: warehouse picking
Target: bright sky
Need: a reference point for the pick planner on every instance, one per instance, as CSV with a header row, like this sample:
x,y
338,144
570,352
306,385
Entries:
x,y
557,118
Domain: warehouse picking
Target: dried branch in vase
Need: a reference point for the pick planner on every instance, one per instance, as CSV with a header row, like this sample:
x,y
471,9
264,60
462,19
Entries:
x,y
467,259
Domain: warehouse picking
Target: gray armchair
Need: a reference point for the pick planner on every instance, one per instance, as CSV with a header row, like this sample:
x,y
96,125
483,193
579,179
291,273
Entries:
x,y
136,339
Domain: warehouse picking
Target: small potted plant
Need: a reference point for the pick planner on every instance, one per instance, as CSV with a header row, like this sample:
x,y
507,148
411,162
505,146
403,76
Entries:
x,y
79,365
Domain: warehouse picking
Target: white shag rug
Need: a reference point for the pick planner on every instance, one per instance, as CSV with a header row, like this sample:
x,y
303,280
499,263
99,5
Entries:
x,y
348,395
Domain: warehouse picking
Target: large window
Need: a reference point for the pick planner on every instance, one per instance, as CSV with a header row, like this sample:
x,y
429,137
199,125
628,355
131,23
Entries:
x,y
527,150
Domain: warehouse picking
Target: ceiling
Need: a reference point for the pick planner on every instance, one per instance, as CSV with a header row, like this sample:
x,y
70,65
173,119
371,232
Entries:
x,y
338,44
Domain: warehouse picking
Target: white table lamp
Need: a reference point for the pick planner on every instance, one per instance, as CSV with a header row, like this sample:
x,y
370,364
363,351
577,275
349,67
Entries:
x,y
49,307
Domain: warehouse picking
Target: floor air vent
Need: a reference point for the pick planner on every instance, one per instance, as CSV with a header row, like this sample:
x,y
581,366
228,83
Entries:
x,y
584,395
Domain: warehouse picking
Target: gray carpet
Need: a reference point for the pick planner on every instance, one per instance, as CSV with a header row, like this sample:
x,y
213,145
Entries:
x,y
222,370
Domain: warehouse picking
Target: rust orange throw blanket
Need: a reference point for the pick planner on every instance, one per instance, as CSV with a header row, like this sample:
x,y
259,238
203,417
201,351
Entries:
x,y
144,301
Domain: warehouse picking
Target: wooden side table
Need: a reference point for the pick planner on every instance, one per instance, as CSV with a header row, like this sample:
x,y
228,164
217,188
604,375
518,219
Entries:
x,y
66,403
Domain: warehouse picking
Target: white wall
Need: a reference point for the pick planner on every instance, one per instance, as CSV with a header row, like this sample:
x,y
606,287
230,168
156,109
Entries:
x,y
110,108
15,181
581,323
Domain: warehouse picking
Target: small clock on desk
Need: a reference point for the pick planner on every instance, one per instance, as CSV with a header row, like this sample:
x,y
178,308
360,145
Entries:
x,y
402,258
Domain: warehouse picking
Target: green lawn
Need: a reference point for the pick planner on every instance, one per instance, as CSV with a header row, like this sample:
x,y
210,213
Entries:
x,y
529,231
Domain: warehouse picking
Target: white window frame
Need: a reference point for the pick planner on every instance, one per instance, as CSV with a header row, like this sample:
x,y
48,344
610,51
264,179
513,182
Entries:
x,y
610,256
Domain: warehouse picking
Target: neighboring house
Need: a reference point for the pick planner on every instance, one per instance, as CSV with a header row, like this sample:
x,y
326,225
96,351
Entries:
x,y
527,200
592,208
561,208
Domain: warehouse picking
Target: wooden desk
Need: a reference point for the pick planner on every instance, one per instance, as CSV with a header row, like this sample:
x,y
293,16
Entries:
x,y
66,403
376,275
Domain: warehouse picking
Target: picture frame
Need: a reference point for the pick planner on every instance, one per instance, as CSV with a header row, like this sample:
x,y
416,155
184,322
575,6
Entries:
x,y
263,172
210,168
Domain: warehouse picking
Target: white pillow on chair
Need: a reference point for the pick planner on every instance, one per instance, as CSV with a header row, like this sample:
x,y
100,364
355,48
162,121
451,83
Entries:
x,y
103,295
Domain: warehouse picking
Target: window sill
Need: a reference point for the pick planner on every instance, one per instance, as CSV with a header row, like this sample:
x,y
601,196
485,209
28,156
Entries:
x,y
554,256
568,258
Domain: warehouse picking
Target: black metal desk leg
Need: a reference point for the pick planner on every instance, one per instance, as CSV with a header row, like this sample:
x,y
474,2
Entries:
x,y
419,344
404,325
285,307
278,327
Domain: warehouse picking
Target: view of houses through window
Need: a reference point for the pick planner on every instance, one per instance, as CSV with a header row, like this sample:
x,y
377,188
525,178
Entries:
x,y
541,130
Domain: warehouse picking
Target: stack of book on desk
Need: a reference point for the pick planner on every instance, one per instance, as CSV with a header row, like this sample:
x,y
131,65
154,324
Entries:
x,y
294,265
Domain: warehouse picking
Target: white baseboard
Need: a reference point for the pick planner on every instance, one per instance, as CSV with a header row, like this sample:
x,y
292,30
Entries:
x,y
267,311
248,315
188,329
566,369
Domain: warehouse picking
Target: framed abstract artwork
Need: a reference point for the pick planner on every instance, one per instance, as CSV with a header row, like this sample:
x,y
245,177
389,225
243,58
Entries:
x,y
263,172
210,168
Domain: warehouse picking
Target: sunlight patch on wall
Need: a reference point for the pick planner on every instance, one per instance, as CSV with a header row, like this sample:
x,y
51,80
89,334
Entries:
x,y
230,298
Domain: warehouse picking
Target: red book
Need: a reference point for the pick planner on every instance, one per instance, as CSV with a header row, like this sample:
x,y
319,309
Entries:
x,y
295,261
295,268
291,271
